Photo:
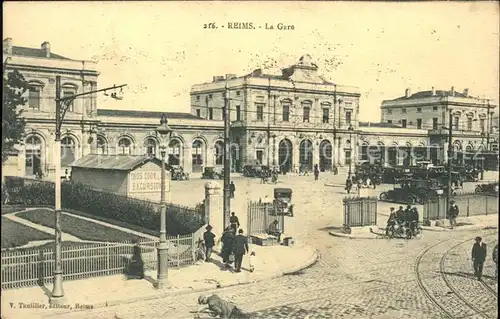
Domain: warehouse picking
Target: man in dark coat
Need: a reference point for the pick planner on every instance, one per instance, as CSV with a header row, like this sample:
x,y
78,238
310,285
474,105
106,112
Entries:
x,y
478,257
348,185
209,239
232,189
453,212
227,245
240,248
235,223
316,172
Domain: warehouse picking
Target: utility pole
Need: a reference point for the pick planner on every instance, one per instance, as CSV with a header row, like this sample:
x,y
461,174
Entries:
x,y
227,157
62,105
450,153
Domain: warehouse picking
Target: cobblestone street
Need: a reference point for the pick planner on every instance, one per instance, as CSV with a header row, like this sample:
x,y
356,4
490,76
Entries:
x,y
430,277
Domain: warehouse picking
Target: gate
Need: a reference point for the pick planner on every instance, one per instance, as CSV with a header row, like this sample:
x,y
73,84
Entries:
x,y
360,211
260,216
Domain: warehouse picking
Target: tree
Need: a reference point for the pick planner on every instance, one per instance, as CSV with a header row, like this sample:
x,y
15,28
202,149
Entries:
x,y
14,88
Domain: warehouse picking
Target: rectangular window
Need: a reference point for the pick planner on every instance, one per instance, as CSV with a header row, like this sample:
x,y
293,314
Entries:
x,y
434,108
260,112
326,115
481,125
198,112
238,113
34,97
210,96
210,113
259,154
419,123
286,113
403,123
419,110
389,121
197,98
305,115
469,123
389,111
435,123
347,155
237,93
403,110
348,117
456,122
67,93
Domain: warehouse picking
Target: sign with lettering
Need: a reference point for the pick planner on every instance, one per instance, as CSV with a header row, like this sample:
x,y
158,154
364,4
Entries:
x,y
147,182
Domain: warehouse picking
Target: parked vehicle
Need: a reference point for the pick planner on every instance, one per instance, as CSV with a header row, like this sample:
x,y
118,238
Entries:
x,y
252,171
412,191
177,174
283,201
487,189
211,173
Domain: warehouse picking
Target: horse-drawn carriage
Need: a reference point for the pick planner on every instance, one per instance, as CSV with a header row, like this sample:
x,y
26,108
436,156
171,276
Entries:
x,y
487,189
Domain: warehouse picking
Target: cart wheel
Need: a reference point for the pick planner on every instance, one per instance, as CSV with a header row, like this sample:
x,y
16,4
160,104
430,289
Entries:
x,y
347,230
383,196
408,234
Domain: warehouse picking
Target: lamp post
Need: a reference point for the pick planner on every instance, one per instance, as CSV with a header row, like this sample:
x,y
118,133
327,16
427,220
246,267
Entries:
x,y
163,131
482,155
350,129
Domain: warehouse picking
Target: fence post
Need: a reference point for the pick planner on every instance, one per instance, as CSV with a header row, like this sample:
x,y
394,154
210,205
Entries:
x,y
486,199
376,210
468,205
108,253
362,205
178,244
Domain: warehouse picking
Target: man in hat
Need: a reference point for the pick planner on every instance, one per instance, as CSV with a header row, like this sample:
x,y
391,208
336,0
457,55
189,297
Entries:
x,y
453,212
478,257
234,222
218,307
391,221
240,248
209,239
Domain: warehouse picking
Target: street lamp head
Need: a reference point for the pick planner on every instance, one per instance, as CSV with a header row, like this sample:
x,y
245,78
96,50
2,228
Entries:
x,y
163,129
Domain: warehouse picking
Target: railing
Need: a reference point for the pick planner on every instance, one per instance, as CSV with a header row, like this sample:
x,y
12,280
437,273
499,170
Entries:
x,y
469,204
260,216
29,267
360,211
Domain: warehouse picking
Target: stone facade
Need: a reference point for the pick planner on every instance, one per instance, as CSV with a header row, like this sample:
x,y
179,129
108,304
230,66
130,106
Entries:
x,y
292,120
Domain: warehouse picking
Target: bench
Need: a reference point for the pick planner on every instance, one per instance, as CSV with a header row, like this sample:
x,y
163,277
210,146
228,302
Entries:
x,y
264,240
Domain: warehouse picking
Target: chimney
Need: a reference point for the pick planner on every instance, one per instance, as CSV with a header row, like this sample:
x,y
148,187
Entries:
x,y
218,78
46,49
7,45
230,76
452,91
408,93
433,91
466,92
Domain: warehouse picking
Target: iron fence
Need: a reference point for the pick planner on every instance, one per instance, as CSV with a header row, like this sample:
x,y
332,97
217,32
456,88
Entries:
x,y
469,204
360,211
29,267
260,216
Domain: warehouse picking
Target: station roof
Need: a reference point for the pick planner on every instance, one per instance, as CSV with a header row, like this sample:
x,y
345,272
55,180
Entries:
x,y
148,114
35,53
114,162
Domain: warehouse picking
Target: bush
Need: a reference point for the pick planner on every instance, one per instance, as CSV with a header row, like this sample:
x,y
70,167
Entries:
x,y
180,220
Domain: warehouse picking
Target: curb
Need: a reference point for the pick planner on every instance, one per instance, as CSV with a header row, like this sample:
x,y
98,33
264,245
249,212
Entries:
x,y
463,228
306,264
372,235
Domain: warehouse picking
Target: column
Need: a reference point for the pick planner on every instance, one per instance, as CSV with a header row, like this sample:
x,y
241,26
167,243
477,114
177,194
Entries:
x,y
214,210
187,162
340,152
296,156
444,152
335,151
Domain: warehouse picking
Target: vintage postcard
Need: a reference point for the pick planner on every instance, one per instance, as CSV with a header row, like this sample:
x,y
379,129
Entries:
x,y
250,160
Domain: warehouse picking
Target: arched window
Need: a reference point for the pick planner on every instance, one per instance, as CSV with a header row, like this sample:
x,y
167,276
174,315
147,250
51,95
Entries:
x,y
150,147
124,146
197,155
33,148
68,150
174,152
102,146
219,153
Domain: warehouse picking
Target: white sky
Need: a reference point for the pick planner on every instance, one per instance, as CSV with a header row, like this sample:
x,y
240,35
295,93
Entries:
x,y
160,49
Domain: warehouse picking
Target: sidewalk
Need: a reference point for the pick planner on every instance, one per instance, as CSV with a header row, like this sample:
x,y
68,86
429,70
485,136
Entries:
x,y
270,262
378,232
